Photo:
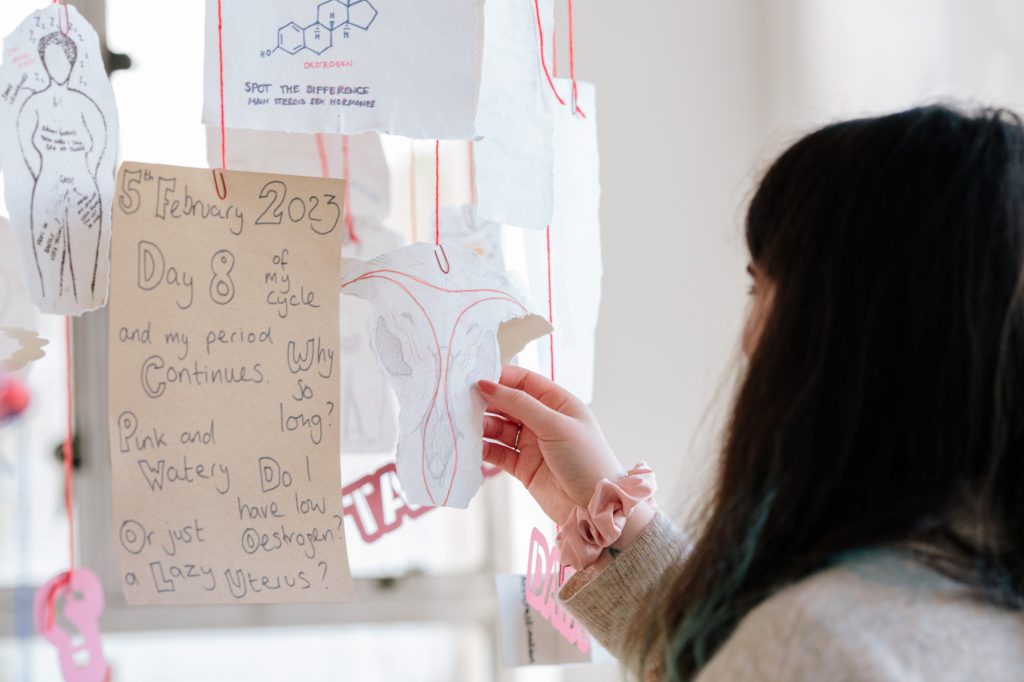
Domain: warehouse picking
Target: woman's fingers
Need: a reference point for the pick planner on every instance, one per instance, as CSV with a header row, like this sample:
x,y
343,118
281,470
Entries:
x,y
521,407
501,457
502,430
540,387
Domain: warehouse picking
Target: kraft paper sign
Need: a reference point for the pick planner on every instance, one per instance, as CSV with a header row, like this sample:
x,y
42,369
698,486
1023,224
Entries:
x,y
224,387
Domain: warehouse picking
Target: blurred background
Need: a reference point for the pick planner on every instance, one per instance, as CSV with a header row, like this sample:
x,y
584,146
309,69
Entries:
x,y
695,98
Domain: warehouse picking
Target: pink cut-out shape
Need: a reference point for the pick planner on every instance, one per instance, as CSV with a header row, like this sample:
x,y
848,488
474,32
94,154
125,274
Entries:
x,y
542,583
376,504
67,611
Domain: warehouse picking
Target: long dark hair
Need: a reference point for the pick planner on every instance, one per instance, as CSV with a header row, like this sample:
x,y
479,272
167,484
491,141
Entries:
x,y
884,403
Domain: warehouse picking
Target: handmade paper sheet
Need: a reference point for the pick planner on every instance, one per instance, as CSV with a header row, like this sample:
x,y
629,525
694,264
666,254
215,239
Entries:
x,y
575,246
527,638
461,227
19,323
224,390
440,325
514,160
268,151
58,140
344,66
369,412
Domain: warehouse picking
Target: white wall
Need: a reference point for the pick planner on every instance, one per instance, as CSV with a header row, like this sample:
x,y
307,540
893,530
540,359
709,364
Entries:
x,y
695,98
680,120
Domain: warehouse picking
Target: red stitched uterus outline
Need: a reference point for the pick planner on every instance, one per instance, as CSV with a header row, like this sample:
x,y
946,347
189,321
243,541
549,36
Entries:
x,y
435,335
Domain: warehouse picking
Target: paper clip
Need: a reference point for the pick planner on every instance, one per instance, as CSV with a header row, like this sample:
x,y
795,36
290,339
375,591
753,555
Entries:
x,y
223,183
67,19
447,267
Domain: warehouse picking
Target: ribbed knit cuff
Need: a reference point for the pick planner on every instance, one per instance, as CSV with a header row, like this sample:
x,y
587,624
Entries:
x,y
606,600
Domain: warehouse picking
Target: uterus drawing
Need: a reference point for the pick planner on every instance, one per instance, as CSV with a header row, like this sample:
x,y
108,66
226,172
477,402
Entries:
x,y
441,322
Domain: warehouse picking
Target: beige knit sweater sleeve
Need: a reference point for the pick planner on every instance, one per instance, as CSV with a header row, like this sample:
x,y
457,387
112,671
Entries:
x,y
881,617
606,601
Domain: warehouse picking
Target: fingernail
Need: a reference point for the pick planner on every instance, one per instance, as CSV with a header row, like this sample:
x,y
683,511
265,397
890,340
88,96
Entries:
x,y
487,387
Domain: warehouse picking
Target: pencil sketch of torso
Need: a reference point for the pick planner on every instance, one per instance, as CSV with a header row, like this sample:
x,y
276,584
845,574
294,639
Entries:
x,y
63,138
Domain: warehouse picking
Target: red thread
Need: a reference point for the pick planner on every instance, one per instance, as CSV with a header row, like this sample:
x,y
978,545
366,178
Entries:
x,y
349,222
572,68
551,307
64,580
543,63
325,167
437,191
69,453
220,54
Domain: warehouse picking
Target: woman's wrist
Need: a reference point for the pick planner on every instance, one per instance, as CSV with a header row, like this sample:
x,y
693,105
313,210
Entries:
x,y
637,522
617,513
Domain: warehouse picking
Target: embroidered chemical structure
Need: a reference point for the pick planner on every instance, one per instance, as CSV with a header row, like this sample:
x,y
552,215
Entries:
x,y
331,16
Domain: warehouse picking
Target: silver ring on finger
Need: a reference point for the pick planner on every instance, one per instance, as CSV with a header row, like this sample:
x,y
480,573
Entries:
x,y
519,433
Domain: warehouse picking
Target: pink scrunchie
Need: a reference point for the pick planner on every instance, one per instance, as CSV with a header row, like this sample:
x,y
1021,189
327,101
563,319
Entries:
x,y
587,532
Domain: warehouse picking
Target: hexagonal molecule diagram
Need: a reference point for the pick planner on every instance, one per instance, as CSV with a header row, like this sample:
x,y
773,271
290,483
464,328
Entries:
x,y
331,16
290,38
318,38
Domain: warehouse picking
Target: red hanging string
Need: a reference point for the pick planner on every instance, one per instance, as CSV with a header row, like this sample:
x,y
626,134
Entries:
x,y
325,167
551,306
543,63
220,55
437,192
349,222
69,454
64,580
412,191
572,67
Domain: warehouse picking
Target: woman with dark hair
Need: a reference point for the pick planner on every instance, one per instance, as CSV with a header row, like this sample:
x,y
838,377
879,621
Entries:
x,y
867,518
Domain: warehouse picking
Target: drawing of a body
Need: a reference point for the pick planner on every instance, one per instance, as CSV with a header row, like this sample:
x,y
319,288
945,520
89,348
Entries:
x,y
63,137
435,336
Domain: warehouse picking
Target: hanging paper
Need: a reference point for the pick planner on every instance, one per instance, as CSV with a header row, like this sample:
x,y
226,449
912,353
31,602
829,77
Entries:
x,y
514,160
59,145
343,66
265,151
224,387
19,323
461,227
528,639
67,610
368,413
376,505
576,269
441,324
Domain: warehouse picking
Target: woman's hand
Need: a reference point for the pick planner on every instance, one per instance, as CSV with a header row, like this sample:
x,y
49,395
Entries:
x,y
562,453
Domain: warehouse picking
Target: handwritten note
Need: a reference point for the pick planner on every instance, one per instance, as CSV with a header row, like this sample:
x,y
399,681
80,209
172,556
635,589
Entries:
x,y
224,387
529,638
